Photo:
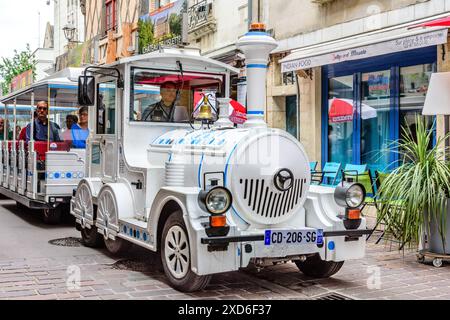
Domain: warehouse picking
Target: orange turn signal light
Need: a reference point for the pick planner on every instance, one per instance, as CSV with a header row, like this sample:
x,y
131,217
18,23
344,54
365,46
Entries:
x,y
218,221
257,26
354,214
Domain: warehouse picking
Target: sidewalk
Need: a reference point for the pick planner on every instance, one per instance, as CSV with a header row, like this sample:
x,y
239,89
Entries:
x,y
139,277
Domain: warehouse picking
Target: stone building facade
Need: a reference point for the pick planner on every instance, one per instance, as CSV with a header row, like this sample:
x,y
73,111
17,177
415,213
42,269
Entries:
x,y
111,27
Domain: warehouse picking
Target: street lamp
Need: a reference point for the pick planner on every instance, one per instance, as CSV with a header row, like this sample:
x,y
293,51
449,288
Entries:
x,y
437,102
69,32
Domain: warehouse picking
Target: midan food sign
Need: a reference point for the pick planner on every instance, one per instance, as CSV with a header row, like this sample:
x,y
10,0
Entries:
x,y
164,27
407,43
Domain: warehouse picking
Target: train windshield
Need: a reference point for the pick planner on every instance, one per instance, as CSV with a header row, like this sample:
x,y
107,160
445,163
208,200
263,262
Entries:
x,y
162,96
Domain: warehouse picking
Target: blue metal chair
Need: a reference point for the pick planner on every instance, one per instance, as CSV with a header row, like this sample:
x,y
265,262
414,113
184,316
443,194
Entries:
x,y
328,176
313,166
352,171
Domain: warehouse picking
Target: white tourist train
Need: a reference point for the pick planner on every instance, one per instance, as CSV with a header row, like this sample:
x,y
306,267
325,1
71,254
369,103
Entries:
x,y
163,169
209,196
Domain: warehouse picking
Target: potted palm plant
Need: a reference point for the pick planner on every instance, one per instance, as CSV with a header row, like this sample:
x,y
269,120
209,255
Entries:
x,y
414,198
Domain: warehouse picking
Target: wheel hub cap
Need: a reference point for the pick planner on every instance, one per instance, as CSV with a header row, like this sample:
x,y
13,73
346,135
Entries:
x,y
177,253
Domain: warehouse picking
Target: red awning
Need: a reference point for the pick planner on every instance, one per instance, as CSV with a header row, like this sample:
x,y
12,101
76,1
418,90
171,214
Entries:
x,y
443,22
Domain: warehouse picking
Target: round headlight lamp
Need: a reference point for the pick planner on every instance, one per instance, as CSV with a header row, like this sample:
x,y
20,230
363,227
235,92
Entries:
x,y
216,201
350,195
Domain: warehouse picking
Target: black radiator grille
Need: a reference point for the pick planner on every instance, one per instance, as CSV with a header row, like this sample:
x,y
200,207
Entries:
x,y
268,203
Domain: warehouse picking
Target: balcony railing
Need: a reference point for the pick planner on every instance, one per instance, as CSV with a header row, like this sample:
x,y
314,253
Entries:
x,y
201,19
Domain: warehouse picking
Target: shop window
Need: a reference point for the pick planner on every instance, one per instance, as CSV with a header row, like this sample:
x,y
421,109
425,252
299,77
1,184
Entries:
x,y
291,115
379,96
288,78
414,82
375,113
341,111
111,15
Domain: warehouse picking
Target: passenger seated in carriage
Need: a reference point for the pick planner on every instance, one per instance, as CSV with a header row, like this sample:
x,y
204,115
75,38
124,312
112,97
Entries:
x,y
23,132
2,130
71,120
80,131
41,130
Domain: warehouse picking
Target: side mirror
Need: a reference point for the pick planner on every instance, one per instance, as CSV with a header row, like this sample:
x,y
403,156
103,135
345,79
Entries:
x,y
86,91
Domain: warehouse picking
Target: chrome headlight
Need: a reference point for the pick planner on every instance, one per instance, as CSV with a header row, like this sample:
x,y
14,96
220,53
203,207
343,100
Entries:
x,y
216,201
350,195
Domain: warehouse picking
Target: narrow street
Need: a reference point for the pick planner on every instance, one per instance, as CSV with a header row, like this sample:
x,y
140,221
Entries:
x,y
32,268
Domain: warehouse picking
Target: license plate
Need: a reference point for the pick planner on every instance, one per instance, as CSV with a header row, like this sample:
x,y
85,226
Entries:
x,y
293,237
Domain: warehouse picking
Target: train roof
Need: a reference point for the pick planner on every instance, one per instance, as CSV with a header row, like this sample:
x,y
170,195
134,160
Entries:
x,y
169,56
67,78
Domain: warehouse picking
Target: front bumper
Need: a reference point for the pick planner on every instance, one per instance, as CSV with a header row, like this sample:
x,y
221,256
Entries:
x,y
230,253
350,235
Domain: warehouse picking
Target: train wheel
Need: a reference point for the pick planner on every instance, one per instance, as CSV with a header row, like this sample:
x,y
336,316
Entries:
x,y
176,256
315,267
52,216
437,263
108,221
91,238
83,207
117,247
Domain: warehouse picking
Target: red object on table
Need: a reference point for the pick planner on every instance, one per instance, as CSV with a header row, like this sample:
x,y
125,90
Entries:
x,y
238,112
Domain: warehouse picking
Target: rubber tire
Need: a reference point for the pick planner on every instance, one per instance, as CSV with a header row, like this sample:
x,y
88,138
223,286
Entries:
x,y
52,216
315,267
437,263
91,238
191,282
421,259
117,247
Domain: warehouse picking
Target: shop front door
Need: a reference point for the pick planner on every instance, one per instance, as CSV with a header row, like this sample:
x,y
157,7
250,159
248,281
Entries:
x,y
341,118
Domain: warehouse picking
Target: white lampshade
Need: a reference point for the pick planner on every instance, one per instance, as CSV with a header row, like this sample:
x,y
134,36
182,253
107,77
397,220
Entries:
x,y
437,101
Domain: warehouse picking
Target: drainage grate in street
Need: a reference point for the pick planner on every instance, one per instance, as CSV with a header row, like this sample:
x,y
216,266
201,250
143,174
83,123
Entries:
x,y
333,296
139,265
66,242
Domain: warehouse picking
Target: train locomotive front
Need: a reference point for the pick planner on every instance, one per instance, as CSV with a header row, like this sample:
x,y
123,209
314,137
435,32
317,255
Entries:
x,y
256,203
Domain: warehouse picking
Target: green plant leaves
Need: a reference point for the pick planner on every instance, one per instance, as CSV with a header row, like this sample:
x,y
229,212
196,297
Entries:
x,y
421,184
12,67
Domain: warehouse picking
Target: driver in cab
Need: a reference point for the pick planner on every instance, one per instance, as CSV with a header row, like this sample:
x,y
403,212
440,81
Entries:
x,y
165,110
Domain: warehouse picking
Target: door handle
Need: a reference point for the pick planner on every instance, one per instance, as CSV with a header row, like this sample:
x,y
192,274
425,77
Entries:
x,y
139,185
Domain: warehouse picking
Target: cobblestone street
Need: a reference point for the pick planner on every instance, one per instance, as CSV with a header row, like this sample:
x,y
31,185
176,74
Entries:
x,y
31,268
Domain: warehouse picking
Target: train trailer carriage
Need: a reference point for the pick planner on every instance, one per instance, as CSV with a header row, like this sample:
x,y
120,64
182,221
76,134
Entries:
x,y
41,173
208,195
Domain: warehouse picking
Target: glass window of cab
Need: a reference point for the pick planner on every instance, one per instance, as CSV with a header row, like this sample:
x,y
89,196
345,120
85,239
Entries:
x,y
168,96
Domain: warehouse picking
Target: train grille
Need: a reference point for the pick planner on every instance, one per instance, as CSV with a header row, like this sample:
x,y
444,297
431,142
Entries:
x,y
263,201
